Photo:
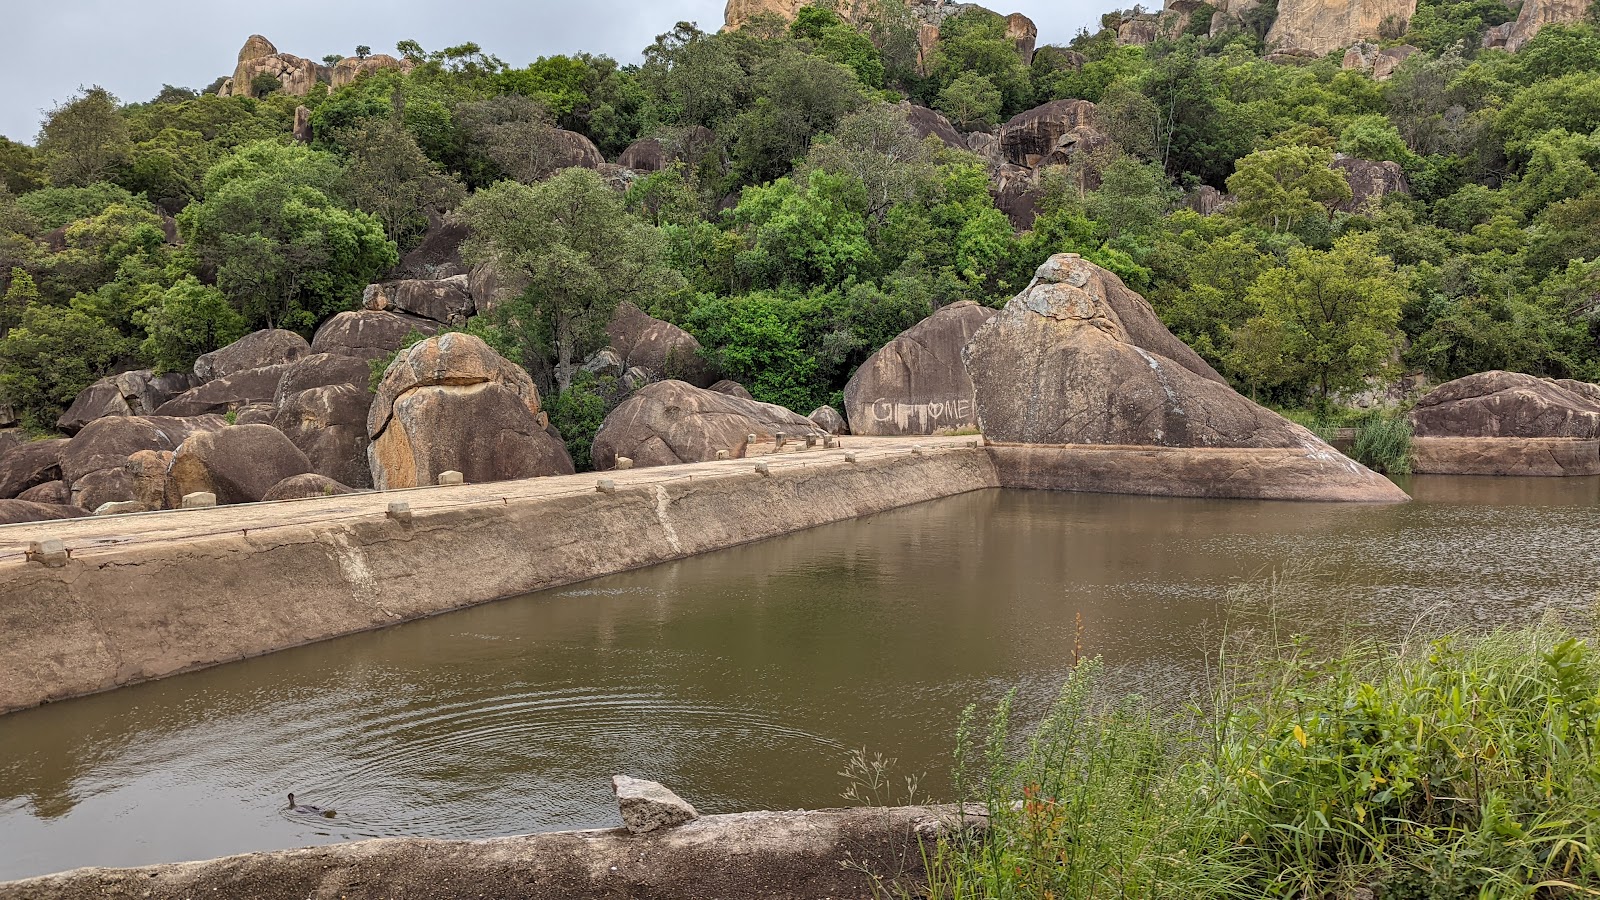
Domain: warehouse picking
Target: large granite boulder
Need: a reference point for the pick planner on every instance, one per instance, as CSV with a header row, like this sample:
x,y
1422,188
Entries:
x,y
1508,404
1016,192
369,335
107,443
1077,358
927,123
17,512
253,351
147,475
321,408
731,388
660,348
571,150
672,422
1535,14
1029,138
439,254
239,464
30,465
228,393
1083,388
137,393
445,300
347,70
1370,182
306,487
452,403
829,420
295,75
96,463
1318,27
918,383
50,492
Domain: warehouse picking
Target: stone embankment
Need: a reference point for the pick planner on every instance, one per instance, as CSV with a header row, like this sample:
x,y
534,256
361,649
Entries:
x,y
742,856
130,598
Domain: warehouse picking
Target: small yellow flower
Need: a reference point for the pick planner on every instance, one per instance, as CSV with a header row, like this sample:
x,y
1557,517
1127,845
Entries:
x,y
1300,735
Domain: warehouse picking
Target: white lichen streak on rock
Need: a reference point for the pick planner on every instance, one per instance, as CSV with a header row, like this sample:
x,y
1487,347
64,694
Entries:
x,y
664,517
352,559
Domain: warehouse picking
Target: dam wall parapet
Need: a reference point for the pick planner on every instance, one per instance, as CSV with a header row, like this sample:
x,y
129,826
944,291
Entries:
x,y
144,596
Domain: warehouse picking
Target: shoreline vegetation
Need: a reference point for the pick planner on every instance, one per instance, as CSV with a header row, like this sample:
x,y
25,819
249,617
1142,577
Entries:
x,y
1461,766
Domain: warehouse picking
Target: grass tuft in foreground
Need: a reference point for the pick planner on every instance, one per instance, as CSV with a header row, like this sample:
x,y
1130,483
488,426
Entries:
x,y
1464,768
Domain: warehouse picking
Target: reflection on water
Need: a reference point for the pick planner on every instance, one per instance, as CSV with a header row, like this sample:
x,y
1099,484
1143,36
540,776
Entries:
x,y
742,678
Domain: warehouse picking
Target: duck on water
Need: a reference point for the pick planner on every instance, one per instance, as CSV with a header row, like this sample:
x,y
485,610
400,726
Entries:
x,y
308,810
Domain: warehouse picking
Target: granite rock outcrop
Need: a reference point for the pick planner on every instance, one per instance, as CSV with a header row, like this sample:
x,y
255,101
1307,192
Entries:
x,y
918,383
450,403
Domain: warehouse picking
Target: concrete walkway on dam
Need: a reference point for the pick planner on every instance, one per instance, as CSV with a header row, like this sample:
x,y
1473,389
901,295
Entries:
x,y
148,595
88,537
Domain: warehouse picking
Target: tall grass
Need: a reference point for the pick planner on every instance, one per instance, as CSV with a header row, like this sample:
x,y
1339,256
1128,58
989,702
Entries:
x,y
1383,444
1462,768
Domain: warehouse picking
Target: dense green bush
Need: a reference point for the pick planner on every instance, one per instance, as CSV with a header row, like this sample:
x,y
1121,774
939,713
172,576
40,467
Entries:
x,y
1461,768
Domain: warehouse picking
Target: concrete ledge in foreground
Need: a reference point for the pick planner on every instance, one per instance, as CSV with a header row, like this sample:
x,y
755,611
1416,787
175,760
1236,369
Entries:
x,y
743,856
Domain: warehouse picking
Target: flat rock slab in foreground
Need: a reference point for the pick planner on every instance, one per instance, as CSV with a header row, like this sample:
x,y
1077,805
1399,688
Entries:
x,y
743,856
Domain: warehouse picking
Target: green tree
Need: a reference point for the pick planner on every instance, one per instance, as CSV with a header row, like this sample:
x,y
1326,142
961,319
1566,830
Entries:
x,y
389,176
52,355
21,170
286,253
877,145
693,77
1373,137
971,102
21,293
581,252
52,208
1327,320
1132,197
799,97
1281,187
190,319
84,139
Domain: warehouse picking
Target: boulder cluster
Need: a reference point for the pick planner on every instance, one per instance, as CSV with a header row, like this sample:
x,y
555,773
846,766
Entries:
x,y
296,75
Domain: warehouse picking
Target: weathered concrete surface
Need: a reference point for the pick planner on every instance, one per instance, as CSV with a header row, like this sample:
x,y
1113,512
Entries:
x,y
155,594
741,856
1505,456
1261,473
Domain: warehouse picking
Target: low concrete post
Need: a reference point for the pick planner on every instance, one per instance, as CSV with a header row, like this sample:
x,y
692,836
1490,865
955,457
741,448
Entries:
x,y
811,441
781,438
400,511
749,439
451,477
606,486
763,469
49,552
623,462
917,450
849,456
723,454
199,500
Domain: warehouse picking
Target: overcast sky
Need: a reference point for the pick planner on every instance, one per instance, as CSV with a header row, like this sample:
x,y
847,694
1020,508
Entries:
x,y
133,47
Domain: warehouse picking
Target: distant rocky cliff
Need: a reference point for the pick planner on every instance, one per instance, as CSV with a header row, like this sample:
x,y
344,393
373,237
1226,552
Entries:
x,y
296,75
